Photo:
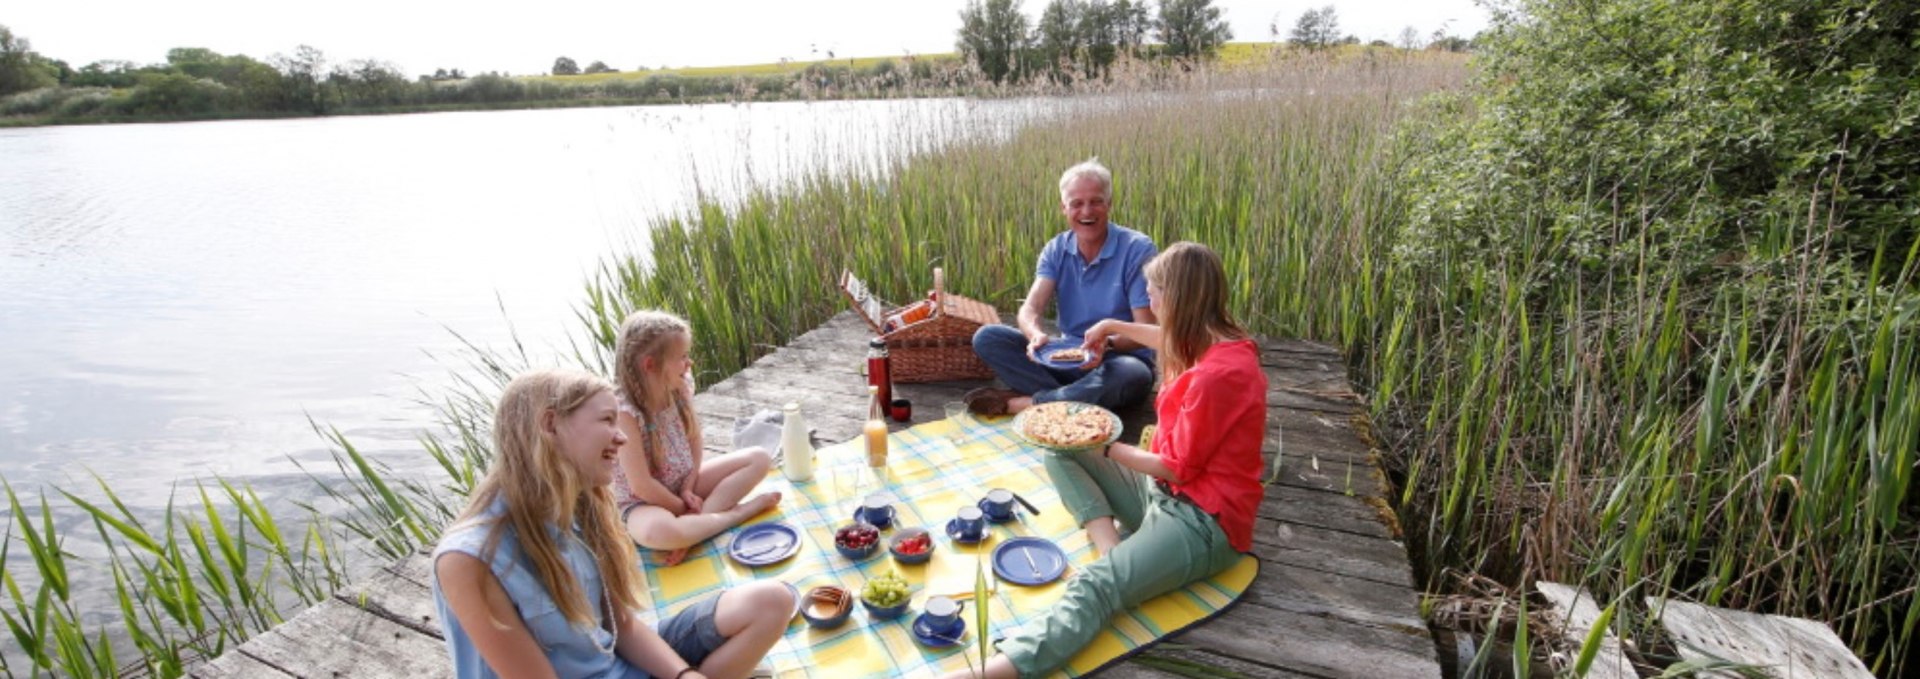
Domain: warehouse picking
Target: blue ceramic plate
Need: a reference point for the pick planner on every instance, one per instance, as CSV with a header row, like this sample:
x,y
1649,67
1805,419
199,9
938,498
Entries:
x,y
763,544
923,633
1029,561
1045,354
953,531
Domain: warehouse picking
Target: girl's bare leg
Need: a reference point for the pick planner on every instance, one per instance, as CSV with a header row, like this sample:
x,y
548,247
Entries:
x,y
725,479
752,617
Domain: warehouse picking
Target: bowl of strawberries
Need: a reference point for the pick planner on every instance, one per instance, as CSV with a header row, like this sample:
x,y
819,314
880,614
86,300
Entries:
x,y
911,546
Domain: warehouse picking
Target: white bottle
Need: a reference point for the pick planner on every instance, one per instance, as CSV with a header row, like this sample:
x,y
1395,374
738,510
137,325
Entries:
x,y
795,446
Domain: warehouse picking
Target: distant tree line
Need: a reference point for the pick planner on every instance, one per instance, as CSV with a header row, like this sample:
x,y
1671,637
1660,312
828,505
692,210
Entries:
x,y
200,83
1318,29
1083,38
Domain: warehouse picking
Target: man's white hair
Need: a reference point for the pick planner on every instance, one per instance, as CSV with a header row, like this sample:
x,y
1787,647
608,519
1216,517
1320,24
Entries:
x,y
1088,169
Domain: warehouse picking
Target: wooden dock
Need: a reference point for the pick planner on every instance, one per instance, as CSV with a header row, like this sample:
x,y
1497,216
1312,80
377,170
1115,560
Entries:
x,y
1334,598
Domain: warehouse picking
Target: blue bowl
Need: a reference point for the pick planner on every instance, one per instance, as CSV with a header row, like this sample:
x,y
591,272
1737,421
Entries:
x,y
834,619
893,546
857,554
885,612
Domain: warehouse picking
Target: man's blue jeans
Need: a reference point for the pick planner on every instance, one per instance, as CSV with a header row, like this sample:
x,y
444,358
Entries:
x,y
1120,380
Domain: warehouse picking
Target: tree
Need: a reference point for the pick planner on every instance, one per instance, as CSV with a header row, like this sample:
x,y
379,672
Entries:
x,y
993,33
1130,25
301,79
369,82
1316,29
565,66
1409,38
1057,37
20,68
1191,29
1099,36
600,67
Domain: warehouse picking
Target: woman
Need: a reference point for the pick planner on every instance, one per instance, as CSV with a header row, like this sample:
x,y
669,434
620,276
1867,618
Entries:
x,y
1194,494
670,497
537,579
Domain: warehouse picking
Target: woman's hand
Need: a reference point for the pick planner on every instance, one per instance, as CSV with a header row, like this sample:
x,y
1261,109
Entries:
x,y
693,500
1099,338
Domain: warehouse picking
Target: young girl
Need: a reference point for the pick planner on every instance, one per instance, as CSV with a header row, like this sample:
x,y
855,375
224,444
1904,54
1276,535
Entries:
x,y
1193,495
536,578
669,497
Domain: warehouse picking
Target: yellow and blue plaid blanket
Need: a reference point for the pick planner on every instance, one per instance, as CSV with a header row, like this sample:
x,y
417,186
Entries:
x,y
932,471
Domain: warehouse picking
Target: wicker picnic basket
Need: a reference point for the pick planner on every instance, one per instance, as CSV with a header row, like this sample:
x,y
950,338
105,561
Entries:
x,y
930,340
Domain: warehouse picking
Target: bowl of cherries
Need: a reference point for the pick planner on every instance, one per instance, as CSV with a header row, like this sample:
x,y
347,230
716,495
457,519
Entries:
x,y
857,541
911,546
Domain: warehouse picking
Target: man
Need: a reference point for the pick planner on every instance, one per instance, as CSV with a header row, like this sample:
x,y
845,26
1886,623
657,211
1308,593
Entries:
x,y
1095,268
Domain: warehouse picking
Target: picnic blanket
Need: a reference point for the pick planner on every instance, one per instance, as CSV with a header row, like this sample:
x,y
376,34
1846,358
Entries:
x,y
933,469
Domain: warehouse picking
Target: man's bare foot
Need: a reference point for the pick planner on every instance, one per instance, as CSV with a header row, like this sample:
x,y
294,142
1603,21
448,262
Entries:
x,y
1019,403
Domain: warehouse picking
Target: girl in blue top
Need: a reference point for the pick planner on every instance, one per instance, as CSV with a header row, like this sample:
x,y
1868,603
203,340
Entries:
x,y
537,578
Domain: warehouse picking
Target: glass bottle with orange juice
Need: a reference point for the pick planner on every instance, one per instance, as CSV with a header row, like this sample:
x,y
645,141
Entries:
x,y
876,429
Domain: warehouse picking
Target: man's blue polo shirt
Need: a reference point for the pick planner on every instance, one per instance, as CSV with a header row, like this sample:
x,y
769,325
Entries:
x,y
1111,286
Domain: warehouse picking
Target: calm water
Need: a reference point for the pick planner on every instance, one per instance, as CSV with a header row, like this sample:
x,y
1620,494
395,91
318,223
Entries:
x,y
176,301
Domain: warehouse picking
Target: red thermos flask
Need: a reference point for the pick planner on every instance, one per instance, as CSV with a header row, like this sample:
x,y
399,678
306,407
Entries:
x,y
879,374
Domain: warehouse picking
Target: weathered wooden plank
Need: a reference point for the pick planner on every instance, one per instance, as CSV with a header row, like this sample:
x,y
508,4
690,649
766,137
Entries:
x,y
1321,646
1381,561
1320,593
1325,510
1577,612
1783,647
392,594
335,639
1140,668
236,665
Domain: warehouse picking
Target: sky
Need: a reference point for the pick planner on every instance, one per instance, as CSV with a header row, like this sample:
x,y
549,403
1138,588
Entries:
x,y
420,36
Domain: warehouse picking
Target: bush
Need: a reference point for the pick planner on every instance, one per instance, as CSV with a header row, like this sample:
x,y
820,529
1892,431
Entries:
x,y
1688,118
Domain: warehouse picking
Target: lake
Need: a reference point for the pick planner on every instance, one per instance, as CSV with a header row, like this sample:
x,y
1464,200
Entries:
x,y
181,300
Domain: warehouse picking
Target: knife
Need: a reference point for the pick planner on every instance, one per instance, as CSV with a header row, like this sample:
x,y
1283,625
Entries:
x,y
1024,503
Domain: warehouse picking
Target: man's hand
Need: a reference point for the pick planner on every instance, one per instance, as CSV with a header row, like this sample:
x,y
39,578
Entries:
x,y
1034,343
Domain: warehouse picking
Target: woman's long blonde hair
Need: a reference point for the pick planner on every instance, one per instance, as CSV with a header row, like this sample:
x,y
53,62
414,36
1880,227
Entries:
x,y
544,492
1193,287
647,333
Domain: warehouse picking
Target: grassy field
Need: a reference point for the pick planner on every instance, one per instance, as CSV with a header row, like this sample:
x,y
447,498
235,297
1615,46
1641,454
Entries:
x,y
750,70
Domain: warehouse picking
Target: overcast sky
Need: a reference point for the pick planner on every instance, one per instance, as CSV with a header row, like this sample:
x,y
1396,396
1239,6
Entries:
x,y
422,35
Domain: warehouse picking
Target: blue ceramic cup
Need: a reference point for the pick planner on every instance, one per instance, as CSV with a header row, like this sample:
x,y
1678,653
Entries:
x,y
943,616
998,505
971,523
877,510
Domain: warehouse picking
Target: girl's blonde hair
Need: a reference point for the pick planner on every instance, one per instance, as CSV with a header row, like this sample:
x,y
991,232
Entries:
x,y
543,491
648,333
1193,287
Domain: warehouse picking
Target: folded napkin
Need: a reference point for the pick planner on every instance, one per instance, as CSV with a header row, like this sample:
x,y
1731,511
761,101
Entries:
x,y
763,429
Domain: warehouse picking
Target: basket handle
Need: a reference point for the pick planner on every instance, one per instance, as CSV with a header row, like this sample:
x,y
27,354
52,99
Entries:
x,y
939,290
